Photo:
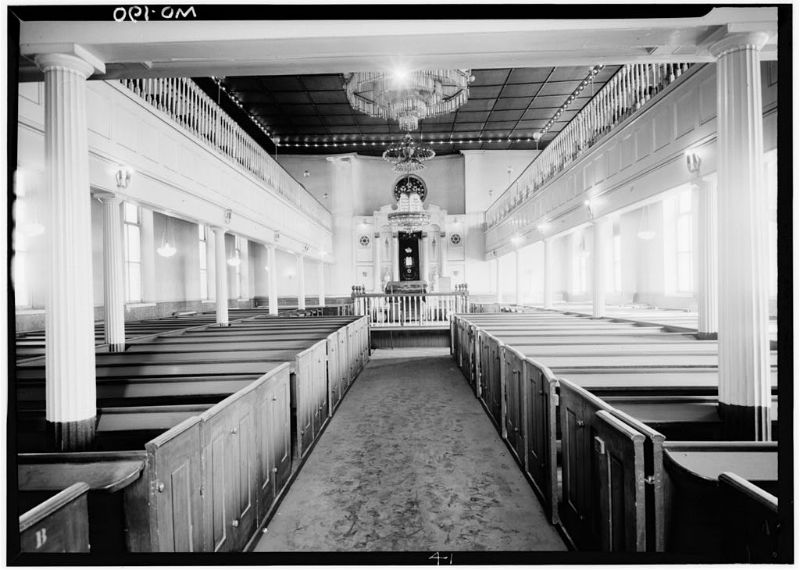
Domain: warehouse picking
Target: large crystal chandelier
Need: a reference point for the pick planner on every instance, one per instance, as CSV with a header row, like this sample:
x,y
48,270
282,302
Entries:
x,y
408,155
408,96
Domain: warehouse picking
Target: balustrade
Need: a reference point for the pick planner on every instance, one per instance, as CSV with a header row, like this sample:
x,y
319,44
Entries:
x,y
186,104
410,309
623,95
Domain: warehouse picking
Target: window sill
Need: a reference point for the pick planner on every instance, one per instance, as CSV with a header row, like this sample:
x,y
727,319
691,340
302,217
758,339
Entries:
x,y
129,306
25,311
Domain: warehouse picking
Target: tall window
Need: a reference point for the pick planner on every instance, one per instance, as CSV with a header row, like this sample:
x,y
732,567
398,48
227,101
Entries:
x,y
133,253
581,260
237,256
771,170
203,258
22,296
683,235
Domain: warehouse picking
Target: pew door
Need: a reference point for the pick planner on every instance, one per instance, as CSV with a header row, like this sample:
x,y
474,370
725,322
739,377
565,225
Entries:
x,y
513,395
281,430
304,400
537,419
334,379
619,459
751,529
176,504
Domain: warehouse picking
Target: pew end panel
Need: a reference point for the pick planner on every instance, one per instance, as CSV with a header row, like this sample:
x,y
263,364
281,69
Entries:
x,y
619,456
514,428
176,491
59,524
751,531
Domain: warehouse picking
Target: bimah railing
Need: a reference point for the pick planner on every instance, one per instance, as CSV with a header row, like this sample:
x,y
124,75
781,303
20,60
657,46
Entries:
x,y
410,309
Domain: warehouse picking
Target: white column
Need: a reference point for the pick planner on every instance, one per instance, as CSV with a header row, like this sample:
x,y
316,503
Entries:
x,y
148,256
344,180
517,278
499,290
221,275
211,269
377,245
425,253
301,282
321,279
272,280
113,273
244,270
706,267
744,369
443,254
548,273
601,238
69,322
395,257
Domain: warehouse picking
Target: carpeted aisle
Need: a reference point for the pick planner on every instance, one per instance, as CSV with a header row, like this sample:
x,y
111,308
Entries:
x,y
410,461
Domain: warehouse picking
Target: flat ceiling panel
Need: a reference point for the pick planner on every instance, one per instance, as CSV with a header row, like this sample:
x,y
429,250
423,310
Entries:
x,y
559,88
323,82
478,105
512,103
489,92
335,109
282,83
505,115
529,75
522,90
489,76
291,97
328,97
570,73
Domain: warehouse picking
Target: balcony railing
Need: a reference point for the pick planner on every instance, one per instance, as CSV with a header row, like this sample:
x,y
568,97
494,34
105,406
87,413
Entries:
x,y
185,103
411,310
624,94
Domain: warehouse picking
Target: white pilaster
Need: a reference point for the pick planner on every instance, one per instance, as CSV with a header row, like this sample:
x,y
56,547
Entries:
x,y
425,253
342,210
221,275
69,322
272,280
113,273
377,246
548,273
601,240
301,282
706,268
744,369
321,279
244,270
443,254
148,256
395,257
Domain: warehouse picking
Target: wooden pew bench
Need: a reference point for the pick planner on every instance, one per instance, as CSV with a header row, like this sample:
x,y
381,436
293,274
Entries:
x,y
695,507
116,490
751,525
59,524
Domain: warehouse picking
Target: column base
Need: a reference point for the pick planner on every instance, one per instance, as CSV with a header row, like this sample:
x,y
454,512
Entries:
x,y
745,423
71,436
116,347
706,336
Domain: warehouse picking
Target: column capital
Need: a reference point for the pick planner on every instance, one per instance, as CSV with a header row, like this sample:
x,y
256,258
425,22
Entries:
x,y
219,230
107,197
80,61
738,41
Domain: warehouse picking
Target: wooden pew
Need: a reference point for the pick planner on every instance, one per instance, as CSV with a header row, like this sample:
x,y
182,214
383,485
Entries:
x,y
59,524
116,497
751,527
695,504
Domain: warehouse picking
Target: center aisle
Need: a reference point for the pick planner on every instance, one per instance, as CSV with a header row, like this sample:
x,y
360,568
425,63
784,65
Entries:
x,y
410,462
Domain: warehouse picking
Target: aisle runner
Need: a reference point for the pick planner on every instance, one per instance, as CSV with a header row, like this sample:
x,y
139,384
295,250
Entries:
x,y
410,462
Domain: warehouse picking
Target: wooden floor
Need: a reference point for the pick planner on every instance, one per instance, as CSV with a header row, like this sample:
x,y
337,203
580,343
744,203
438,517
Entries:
x,y
410,462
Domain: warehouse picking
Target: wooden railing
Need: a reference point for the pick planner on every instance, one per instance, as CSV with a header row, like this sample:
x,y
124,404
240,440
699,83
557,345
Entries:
x,y
410,309
185,103
624,94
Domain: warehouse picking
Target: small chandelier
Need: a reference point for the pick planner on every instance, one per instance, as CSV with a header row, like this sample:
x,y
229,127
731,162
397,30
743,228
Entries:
x,y
410,215
408,96
407,155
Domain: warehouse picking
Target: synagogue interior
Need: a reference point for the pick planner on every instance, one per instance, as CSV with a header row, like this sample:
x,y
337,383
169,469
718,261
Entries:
x,y
292,286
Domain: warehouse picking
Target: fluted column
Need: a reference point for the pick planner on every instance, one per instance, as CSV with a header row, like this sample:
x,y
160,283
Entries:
x,y
601,239
376,258
221,275
548,273
113,273
705,227
272,280
69,323
301,282
499,287
395,257
244,270
744,369
517,278
426,255
321,279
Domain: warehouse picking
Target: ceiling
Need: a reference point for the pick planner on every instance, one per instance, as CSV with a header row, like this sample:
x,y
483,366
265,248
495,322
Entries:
x,y
310,114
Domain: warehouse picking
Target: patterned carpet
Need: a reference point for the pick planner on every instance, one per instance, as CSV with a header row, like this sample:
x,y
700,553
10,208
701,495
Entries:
x,y
410,462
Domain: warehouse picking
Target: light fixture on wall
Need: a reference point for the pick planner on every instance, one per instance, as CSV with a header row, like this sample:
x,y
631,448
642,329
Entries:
x,y
543,227
166,249
517,239
123,176
306,174
646,231
693,161
235,260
